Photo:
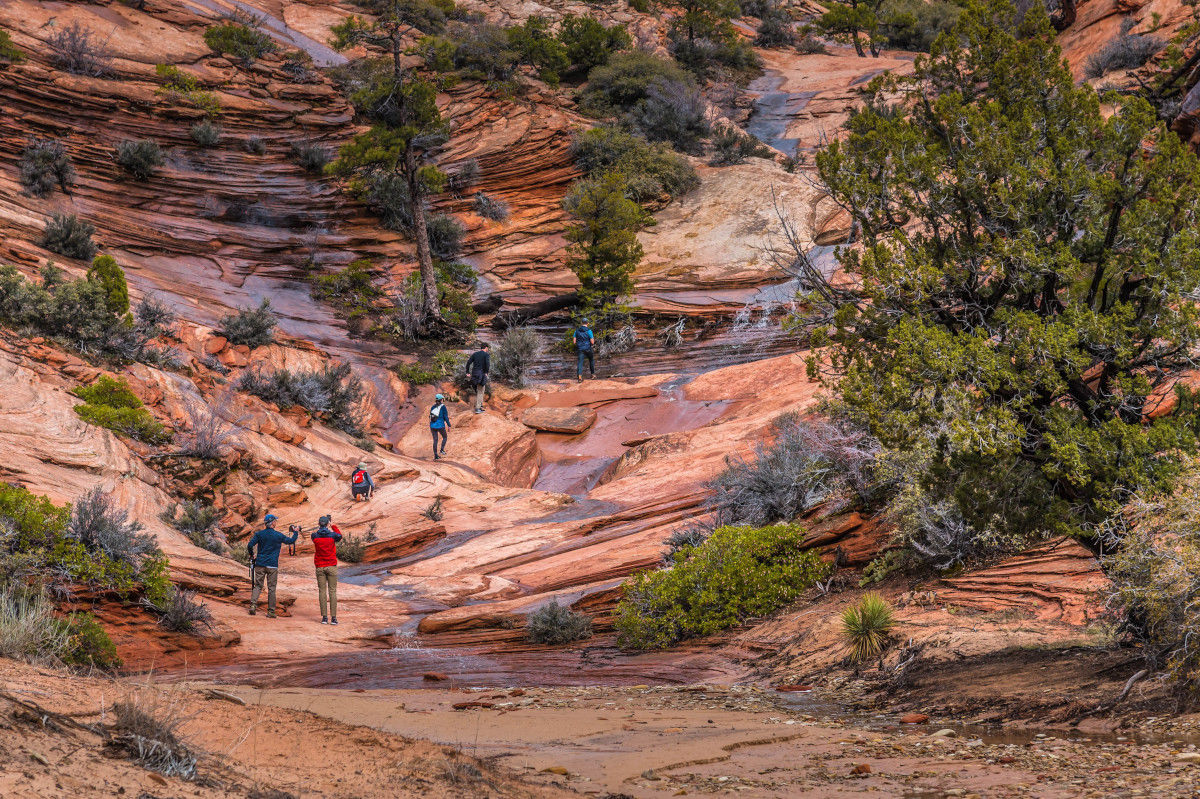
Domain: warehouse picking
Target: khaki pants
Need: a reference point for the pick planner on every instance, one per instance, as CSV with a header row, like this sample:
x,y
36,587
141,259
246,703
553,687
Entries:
x,y
270,576
480,393
327,590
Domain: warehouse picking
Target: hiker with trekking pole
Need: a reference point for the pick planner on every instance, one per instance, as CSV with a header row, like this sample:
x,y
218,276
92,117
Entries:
x,y
263,550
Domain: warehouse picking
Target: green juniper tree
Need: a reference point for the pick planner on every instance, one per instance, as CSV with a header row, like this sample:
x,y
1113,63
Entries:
x,y
1026,266
852,21
406,125
701,20
108,273
604,246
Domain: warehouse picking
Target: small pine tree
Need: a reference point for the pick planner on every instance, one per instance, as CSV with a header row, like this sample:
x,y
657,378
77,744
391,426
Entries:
x,y
604,246
109,274
406,127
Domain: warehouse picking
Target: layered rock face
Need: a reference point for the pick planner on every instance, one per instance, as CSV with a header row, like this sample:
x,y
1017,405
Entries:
x,y
558,491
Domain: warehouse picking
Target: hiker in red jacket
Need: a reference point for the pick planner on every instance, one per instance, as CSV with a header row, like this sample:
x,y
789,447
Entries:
x,y
325,541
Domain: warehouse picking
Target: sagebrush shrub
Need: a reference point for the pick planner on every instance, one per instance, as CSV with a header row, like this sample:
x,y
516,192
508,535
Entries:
x,y
141,158
67,234
76,49
29,629
253,327
101,526
205,134
557,624
490,207
182,612
332,394
198,521
352,548
445,236
243,42
515,355
672,111
650,170
148,729
1152,560
1127,51
808,461
311,156
45,165
774,29
732,146
624,81
255,145
739,572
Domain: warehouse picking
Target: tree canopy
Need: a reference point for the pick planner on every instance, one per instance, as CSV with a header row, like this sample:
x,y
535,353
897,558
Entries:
x,y
1026,260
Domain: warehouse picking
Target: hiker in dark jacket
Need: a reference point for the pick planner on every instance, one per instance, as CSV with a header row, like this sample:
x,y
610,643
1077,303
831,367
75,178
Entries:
x,y
585,340
478,367
325,541
263,550
361,484
439,422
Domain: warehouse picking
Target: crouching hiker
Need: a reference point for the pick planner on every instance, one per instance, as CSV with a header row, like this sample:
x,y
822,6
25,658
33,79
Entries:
x,y
361,484
325,541
263,550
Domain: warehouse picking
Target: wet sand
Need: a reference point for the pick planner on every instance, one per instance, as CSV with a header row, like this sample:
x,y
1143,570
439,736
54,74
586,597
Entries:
x,y
707,740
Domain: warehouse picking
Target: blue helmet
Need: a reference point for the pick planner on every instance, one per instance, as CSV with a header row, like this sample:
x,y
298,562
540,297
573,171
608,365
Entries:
x,y
270,517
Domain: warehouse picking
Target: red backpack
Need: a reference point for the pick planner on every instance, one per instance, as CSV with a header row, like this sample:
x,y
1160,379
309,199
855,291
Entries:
x,y
359,477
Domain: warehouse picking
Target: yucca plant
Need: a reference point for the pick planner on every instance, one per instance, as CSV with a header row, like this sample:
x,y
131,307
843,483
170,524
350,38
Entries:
x,y
866,627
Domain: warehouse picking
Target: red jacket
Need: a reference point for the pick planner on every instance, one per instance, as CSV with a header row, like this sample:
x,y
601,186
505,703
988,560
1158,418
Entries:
x,y
325,546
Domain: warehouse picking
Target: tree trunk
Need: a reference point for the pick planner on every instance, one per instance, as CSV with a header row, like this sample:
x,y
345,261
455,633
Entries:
x,y
520,316
416,198
858,48
1064,17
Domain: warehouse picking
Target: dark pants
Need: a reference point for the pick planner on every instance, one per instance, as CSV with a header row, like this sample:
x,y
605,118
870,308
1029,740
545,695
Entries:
x,y
360,491
591,360
436,432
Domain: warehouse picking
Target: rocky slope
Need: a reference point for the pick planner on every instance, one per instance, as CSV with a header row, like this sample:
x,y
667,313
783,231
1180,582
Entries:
x,y
527,514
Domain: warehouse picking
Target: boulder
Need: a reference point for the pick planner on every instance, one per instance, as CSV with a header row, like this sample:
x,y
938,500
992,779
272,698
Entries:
x,y
559,420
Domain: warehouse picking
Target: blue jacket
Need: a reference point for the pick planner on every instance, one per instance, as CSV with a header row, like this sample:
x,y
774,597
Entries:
x,y
584,338
265,545
439,420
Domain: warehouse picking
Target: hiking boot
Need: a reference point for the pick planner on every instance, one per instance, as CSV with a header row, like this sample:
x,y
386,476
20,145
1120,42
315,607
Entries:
x,y
324,620
272,616
437,457
253,611
334,620
579,378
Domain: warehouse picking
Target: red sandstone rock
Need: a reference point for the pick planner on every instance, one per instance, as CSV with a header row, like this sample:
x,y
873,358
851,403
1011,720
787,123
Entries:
x,y
914,718
433,676
559,420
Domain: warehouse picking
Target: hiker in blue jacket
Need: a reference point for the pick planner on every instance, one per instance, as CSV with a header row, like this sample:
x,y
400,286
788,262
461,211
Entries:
x,y
263,550
585,340
439,422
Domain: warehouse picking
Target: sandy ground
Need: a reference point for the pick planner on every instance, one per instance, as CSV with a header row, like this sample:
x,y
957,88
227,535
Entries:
x,y
712,741
57,740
